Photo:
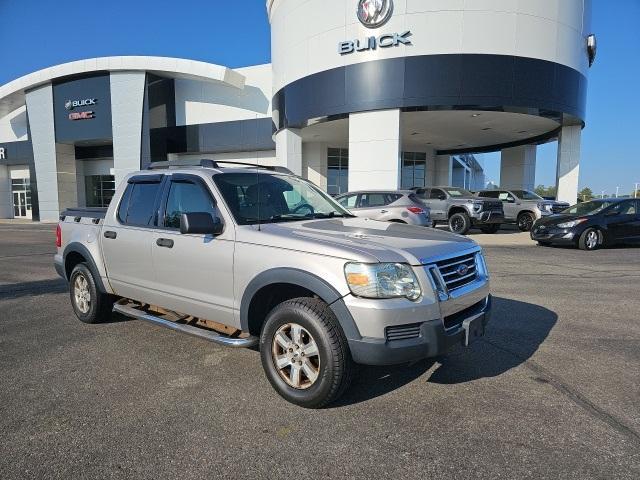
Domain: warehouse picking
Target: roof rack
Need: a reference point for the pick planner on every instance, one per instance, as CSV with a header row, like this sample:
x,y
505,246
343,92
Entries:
x,y
208,163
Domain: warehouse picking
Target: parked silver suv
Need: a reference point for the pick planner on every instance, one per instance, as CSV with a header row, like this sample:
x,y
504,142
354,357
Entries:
x,y
400,206
523,207
257,256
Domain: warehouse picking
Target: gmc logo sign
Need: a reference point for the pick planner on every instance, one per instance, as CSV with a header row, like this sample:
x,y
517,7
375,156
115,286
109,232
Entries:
x,y
81,115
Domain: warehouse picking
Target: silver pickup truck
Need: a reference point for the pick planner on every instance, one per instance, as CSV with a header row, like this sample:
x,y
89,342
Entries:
x,y
252,256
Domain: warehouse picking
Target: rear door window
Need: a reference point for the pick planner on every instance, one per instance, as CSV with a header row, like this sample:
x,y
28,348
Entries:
x,y
349,201
138,205
492,194
436,194
372,200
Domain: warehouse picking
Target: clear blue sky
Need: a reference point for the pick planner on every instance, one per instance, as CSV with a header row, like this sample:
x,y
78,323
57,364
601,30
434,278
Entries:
x,y
39,33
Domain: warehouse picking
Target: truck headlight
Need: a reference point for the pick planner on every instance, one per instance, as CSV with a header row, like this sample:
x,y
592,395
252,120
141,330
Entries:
x,y
382,280
572,224
477,207
544,207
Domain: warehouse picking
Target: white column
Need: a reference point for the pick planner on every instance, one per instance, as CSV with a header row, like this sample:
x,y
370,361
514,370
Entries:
x,y
430,170
518,167
127,101
314,163
444,170
374,150
40,111
289,149
6,199
568,169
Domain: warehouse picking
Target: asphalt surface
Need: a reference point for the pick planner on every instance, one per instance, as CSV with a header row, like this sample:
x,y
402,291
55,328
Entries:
x,y
552,391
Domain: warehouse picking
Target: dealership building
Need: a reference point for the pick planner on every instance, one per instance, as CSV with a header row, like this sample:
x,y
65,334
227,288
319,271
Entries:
x,y
360,94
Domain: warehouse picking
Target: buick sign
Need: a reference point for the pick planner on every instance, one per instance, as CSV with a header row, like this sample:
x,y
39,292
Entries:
x,y
374,13
71,104
3,155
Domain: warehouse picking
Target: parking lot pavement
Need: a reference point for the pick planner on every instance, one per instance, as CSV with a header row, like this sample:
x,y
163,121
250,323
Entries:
x,y
552,391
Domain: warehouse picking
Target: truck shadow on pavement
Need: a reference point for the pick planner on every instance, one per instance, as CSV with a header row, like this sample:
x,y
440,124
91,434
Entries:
x,y
35,288
516,331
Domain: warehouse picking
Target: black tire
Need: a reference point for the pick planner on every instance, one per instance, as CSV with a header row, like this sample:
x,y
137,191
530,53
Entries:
x,y
434,224
590,240
493,228
544,244
526,221
335,367
459,223
98,306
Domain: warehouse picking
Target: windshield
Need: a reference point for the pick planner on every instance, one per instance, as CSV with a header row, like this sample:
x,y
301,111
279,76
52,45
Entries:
x,y
526,195
258,197
458,192
587,208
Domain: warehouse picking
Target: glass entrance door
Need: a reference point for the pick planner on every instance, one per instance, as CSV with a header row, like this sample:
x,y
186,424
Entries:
x,y
21,190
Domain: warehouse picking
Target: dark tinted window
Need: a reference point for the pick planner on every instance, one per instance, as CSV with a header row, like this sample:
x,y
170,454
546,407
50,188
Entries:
x,y
625,208
491,194
140,205
436,193
186,197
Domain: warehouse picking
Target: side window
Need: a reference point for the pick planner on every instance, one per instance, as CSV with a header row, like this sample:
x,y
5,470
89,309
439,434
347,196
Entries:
x,y
186,197
393,197
491,194
628,208
373,200
436,194
349,201
138,202
504,196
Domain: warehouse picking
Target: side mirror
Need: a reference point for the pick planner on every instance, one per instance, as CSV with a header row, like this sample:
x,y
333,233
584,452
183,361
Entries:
x,y
200,223
442,197
511,200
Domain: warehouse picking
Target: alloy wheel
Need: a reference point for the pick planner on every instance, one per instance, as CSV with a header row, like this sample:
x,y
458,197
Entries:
x,y
81,294
296,356
592,240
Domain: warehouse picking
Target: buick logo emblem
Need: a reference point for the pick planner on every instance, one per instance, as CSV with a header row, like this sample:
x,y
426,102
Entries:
x,y
71,104
462,270
374,13
68,105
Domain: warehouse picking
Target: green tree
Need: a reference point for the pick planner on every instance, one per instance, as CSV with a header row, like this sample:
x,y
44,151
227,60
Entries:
x,y
546,191
585,194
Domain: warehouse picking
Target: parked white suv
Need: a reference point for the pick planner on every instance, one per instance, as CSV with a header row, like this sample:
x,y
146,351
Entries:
x,y
399,206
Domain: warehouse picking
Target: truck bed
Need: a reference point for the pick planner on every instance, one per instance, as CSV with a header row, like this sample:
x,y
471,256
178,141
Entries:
x,y
88,212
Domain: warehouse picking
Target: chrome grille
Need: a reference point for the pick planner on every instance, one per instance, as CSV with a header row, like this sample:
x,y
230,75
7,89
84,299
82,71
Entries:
x,y
559,208
403,332
458,271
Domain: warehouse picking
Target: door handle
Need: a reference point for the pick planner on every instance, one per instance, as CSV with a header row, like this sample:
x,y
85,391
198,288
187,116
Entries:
x,y
164,242
111,235
384,211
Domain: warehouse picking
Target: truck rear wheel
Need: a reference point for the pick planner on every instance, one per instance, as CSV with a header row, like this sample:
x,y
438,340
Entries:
x,y
459,223
305,353
526,221
89,304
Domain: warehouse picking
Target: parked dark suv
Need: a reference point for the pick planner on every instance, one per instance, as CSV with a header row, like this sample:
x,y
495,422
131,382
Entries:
x,y
590,225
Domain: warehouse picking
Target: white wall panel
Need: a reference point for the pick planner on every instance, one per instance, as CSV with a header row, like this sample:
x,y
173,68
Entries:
x,y
305,33
13,127
6,199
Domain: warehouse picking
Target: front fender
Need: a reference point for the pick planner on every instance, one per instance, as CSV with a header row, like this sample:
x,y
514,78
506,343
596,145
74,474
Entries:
x,y
306,280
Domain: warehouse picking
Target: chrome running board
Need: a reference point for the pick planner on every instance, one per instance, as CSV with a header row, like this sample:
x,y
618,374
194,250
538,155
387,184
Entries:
x,y
209,335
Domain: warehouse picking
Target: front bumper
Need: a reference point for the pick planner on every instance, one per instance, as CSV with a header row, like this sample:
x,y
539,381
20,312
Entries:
x,y
433,340
565,236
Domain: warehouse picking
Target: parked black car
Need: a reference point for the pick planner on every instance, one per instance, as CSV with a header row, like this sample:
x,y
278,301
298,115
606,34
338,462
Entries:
x,y
590,225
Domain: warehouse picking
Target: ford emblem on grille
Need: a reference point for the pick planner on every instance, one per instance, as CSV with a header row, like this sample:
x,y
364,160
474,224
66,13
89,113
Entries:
x,y
462,270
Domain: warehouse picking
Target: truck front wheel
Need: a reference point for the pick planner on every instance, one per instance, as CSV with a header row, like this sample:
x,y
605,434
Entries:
x,y
89,304
459,223
305,354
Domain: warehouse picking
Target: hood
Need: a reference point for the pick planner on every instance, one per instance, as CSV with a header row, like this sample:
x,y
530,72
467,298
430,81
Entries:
x,y
359,239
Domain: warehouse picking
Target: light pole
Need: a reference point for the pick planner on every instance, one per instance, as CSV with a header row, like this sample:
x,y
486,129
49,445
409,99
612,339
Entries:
x,y
617,190
635,191
602,195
